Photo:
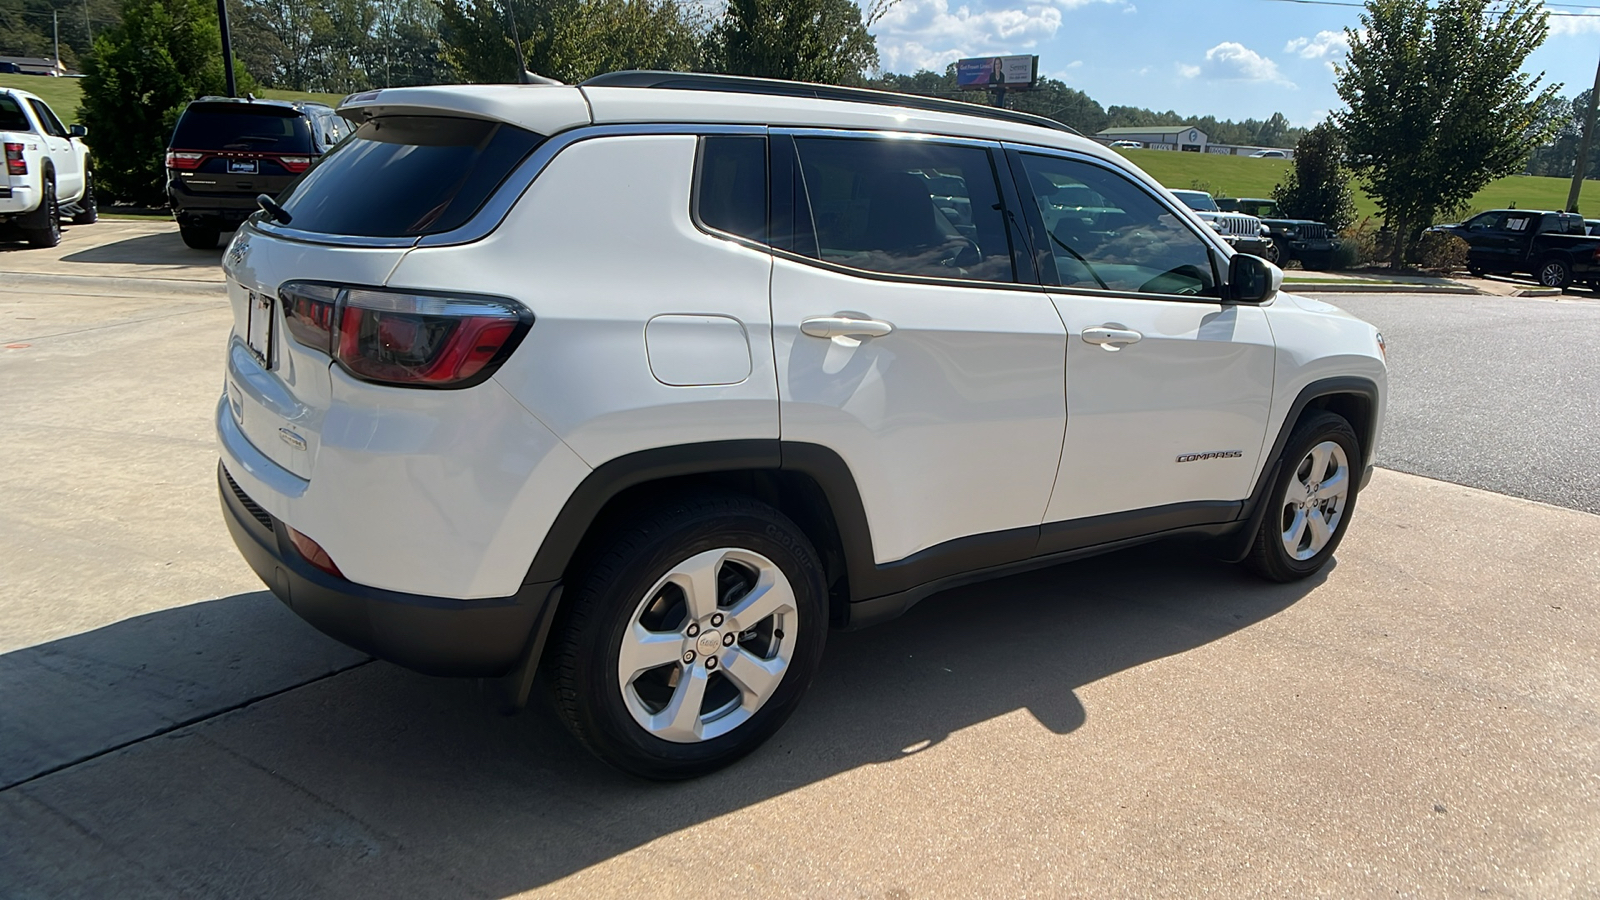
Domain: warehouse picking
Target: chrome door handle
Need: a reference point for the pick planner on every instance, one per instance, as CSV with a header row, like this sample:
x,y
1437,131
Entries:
x,y
1111,337
840,326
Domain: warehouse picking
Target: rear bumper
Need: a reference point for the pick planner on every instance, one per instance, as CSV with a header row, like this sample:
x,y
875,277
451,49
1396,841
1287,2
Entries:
x,y
216,209
433,635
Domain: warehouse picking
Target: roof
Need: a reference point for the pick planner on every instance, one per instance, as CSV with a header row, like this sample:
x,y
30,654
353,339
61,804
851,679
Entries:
x,y
259,101
548,109
1151,129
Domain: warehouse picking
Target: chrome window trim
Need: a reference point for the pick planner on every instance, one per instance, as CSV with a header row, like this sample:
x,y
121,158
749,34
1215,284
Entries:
x,y
500,203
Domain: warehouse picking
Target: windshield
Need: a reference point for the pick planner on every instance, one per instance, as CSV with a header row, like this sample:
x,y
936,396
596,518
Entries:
x,y
1197,200
400,176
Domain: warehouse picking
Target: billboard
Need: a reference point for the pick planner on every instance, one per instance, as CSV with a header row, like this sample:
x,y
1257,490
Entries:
x,y
1014,73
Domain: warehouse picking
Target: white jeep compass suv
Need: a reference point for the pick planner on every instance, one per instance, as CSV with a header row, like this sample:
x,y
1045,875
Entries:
x,y
648,382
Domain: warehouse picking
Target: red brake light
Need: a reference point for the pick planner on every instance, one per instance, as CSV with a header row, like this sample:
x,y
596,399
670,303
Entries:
x,y
295,164
404,338
313,553
15,164
181,159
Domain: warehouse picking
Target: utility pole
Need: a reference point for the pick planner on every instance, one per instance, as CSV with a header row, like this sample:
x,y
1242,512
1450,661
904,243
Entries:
x,y
1582,164
227,47
55,26
87,26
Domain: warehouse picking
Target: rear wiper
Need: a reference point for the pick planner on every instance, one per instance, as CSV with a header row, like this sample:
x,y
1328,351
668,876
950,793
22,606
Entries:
x,y
273,210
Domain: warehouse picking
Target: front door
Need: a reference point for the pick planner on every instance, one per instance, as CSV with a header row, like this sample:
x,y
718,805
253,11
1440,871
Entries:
x,y
905,342
1168,387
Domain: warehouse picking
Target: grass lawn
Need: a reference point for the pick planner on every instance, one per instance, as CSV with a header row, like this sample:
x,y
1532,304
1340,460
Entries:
x,y
1242,176
62,93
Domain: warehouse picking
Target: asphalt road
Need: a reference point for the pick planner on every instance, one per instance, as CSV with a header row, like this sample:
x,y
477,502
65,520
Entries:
x,y
1421,720
1500,393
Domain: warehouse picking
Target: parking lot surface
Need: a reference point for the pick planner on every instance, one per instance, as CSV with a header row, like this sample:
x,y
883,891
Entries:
x,y
1501,393
1420,721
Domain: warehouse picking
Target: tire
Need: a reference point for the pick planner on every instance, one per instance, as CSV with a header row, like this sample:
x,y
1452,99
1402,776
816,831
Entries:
x,y
47,231
630,603
1554,273
1476,271
199,238
88,208
1320,440
1271,254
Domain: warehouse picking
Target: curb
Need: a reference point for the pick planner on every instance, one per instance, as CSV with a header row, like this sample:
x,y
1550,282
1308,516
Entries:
x,y
1539,292
100,285
1392,288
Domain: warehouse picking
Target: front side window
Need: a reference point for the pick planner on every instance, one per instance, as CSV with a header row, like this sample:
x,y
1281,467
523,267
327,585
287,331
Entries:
x,y
905,207
731,190
1126,241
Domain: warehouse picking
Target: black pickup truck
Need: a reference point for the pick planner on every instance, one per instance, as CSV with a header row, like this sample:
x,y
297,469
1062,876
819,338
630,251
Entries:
x,y
1553,247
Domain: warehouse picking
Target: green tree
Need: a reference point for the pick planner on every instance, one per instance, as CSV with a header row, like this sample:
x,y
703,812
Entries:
x,y
1318,185
824,41
1437,104
163,54
569,40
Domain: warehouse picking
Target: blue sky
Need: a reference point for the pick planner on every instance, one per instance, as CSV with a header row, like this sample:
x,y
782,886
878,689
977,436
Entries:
x,y
1229,58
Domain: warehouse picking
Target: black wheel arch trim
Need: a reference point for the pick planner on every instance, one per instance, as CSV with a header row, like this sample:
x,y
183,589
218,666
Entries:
x,y
1366,432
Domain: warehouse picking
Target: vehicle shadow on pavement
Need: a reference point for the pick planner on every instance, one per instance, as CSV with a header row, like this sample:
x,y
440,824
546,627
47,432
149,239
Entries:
x,y
380,782
164,249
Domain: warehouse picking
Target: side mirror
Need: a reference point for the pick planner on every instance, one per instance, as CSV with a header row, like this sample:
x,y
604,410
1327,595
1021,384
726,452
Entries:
x,y
1252,279
77,131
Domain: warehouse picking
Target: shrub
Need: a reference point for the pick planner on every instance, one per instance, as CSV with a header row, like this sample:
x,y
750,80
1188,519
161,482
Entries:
x,y
1440,252
1317,187
163,54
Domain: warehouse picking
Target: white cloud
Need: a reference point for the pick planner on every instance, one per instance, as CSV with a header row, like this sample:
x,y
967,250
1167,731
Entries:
x,y
930,34
1326,43
1231,61
1576,24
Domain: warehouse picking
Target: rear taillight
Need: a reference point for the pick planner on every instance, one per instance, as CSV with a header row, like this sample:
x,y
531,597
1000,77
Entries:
x,y
182,159
15,164
313,553
402,337
295,164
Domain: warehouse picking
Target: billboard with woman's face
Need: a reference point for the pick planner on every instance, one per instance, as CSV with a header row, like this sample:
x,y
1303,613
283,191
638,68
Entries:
x,y
1014,73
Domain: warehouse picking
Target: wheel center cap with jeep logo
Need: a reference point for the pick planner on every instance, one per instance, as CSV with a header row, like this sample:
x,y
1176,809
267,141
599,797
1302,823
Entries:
x,y
708,643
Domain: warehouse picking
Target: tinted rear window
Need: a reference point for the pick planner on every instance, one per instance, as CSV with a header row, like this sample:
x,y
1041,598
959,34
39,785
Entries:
x,y
268,129
11,115
401,176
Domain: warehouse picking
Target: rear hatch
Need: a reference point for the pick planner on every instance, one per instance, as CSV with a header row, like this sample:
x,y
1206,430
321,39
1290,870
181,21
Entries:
x,y
308,296
241,149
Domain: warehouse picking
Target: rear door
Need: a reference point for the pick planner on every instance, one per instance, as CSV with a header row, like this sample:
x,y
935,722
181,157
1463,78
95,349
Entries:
x,y
1168,387
69,170
906,342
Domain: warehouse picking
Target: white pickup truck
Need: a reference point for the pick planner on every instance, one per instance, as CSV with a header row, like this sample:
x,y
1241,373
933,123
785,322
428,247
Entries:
x,y
47,170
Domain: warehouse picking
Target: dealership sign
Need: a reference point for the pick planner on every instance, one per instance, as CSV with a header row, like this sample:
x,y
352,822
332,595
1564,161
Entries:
x,y
1014,73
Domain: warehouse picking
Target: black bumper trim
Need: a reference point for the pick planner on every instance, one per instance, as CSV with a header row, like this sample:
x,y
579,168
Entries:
x,y
432,635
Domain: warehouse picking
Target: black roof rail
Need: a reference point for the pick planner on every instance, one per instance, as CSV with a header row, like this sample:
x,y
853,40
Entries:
x,y
739,84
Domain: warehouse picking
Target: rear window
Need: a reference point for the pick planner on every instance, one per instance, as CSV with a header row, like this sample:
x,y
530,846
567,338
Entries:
x,y
11,115
268,129
404,176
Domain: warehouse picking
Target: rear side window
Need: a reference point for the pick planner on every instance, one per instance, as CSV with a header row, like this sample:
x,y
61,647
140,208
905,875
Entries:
x,y
405,176
264,129
906,207
11,116
731,190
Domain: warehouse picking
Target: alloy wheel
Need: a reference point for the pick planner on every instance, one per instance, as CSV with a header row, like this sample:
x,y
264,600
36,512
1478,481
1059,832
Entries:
x,y
708,645
1315,500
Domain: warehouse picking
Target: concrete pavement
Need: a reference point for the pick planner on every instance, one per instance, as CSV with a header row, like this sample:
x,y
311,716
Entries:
x,y
1420,721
